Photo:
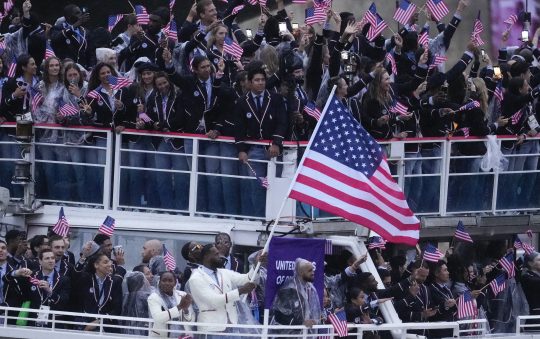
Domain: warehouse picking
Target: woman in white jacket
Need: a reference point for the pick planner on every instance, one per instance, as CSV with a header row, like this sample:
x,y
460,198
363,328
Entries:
x,y
166,304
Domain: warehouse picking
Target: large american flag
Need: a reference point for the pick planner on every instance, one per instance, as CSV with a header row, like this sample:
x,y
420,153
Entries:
x,y
478,28
498,284
404,12
437,8
118,82
113,21
142,16
233,48
107,227
507,264
466,306
312,110
344,172
376,242
376,29
67,110
315,15
339,322
170,262
432,253
461,234
62,226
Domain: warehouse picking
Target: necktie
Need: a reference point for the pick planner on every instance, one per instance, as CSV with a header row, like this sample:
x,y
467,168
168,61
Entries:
x,y
258,102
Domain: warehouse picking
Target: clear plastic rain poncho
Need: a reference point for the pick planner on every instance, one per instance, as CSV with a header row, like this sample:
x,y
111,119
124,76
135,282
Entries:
x,y
295,302
135,289
504,309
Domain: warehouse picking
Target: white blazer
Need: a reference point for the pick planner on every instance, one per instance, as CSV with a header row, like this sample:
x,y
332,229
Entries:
x,y
216,301
160,315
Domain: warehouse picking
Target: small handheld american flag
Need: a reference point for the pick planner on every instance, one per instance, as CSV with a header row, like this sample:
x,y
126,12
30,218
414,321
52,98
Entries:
x,y
371,13
432,253
478,28
498,93
437,8
507,263
263,181
376,29
170,262
516,117
469,106
423,38
37,99
118,82
107,227
392,61
498,284
376,242
67,110
399,108
518,244
34,281
237,9
339,322
171,30
466,306
404,12
233,48
312,110
49,52
8,6
62,226
314,15
142,16
438,60
94,94
144,117
113,21
12,68
461,234
512,19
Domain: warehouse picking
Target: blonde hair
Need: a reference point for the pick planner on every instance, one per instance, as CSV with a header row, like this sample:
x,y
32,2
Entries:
x,y
269,57
212,37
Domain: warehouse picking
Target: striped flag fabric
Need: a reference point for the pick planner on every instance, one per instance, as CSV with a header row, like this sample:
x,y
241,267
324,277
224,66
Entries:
x,y
437,8
144,117
314,15
113,21
8,6
67,110
168,259
264,182
498,284
171,5
466,131
498,93
478,28
432,253
118,82
232,48
507,263
94,94
512,19
461,234
171,30
34,281
423,37
107,227
142,16
12,68
376,30
466,306
312,110
328,249
399,108
339,322
469,106
37,99
376,242
404,12
237,9
518,244
516,117
392,61
262,3
438,60
62,226
49,52
253,2
371,14
353,182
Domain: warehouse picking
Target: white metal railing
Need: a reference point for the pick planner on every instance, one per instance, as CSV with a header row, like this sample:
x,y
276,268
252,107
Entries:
x,y
435,185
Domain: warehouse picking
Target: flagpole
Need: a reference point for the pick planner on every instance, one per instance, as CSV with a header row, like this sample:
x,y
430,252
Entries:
x,y
276,220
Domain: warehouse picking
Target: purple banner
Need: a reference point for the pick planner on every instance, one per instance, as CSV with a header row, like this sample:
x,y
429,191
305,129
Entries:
x,y
282,254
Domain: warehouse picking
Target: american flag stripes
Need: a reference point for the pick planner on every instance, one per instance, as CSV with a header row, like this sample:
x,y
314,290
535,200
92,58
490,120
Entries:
x,y
113,21
237,9
498,93
516,117
507,263
119,82
370,15
466,131
478,28
376,242
339,322
392,61
466,306
34,281
328,249
67,110
48,50
404,12
315,15
144,117
233,48
142,16
438,60
12,68
376,30
171,31
312,110
437,8
168,259
518,244
62,226
470,105
8,6
461,234
264,182
94,94
171,5
423,37
498,284
512,19
107,227
399,108
432,253
37,99
262,3
253,2
344,172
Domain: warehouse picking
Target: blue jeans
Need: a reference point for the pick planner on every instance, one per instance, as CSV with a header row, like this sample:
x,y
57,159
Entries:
x,y
253,194
230,186
172,187
140,183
